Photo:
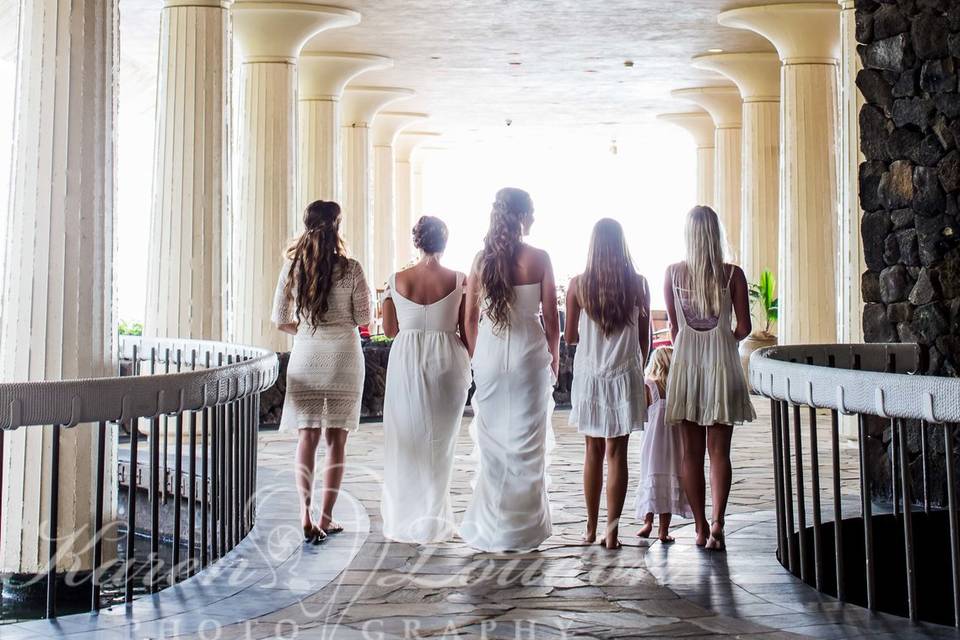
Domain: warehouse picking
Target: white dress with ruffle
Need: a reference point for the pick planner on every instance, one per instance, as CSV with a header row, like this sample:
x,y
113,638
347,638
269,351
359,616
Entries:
x,y
661,454
607,395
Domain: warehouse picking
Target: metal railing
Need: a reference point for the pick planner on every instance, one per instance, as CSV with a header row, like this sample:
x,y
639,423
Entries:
x,y
206,390
836,549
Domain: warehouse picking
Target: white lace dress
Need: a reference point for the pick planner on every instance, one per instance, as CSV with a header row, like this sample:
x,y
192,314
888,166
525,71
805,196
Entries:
x,y
428,377
326,368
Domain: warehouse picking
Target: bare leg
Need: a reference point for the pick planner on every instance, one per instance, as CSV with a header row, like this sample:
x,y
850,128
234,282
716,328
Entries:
x,y
647,527
593,484
694,485
718,444
617,480
664,534
307,443
332,473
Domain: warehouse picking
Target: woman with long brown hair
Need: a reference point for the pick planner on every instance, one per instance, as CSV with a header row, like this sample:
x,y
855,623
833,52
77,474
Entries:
x,y
515,357
321,299
706,390
608,317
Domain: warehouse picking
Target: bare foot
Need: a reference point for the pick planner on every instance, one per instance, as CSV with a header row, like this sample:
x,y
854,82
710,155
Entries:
x,y
645,530
589,537
702,536
612,543
666,539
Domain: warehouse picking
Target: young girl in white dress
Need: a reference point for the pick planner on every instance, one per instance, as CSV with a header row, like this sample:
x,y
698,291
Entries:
x,y
660,488
515,359
608,317
707,391
428,376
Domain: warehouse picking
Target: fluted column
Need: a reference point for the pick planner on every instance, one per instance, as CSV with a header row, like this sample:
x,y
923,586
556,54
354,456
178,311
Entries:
x,y
807,39
323,76
386,127
852,262
407,142
270,35
699,125
757,76
57,317
724,106
186,278
360,105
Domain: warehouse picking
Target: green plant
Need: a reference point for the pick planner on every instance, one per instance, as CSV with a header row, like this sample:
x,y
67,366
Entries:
x,y
762,294
380,339
130,328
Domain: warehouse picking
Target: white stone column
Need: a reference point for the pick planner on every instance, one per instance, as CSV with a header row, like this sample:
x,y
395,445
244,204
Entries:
x,y
724,106
807,39
757,76
360,105
407,143
323,76
699,125
270,35
57,318
386,127
186,275
852,262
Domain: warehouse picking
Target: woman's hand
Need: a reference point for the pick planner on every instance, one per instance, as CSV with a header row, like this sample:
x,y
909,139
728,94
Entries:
x,y
289,327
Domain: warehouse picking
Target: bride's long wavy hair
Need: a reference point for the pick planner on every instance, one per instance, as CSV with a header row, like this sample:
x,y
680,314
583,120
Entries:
x,y
608,290
511,209
317,259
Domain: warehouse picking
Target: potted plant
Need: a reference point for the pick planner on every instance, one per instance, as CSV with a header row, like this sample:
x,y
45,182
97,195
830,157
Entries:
x,y
764,302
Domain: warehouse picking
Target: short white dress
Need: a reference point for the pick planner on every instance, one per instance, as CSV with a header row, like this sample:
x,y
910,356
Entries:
x,y
428,376
326,368
706,385
661,454
607,395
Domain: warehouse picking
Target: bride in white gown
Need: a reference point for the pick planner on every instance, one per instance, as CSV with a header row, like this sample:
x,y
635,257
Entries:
x,y
515,359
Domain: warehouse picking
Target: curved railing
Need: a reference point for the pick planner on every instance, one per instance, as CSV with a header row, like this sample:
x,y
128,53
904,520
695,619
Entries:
x,y
906,426
208,391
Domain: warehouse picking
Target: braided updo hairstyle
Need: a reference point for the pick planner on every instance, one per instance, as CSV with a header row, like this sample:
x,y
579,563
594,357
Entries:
x,y
430,235
317,259
511,209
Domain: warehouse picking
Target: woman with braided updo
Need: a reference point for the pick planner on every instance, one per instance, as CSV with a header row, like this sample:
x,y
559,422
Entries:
x,y
428,376
513,333
321,299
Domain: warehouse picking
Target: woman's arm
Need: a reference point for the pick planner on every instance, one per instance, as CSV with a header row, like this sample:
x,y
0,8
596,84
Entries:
x,y
741,303
643,322
571,327
288,327
551,317
671,307
283,314
471,324
391,326
361,297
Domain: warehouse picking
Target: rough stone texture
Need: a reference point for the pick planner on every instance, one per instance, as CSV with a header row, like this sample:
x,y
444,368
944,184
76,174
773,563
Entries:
x,y
948,170
876,326
895,283
897,185
892,54
928,196
924,291
874,230
913,111
938,76
929,34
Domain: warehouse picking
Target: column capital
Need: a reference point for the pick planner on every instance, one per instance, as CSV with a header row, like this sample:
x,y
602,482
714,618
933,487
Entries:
x,y
408,141
757,75
722,102
388,124
324,74
275,31
698,124
803,32
361,104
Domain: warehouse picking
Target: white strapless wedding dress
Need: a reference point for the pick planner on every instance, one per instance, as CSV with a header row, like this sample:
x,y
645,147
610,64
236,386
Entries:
x,y
513,404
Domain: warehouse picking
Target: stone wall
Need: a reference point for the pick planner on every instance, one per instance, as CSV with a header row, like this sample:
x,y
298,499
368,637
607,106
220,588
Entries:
x,y
910,181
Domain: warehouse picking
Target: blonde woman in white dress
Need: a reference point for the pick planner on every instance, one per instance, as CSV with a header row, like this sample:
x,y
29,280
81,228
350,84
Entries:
x,y
515,360
707,392
428,377
608,318
326,368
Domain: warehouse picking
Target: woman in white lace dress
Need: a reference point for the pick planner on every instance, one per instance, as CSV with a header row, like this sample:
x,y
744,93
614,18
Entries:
x,y
427,381
515,361
326,368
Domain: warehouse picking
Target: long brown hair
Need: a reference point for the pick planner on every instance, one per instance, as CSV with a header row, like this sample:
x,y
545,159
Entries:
x,y
609,289
511,208
705,274
317,259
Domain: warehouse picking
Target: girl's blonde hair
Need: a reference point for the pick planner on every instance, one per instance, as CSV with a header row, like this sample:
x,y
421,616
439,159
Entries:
x,y
609,289
658,369
704,277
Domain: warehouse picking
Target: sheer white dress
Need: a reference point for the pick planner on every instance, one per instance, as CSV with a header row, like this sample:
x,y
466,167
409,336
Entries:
x,y
513,403
428,376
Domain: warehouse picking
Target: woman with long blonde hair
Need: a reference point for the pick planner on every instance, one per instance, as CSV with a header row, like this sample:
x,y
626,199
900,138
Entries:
x,y
707,391
321,299
515,357
608,317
